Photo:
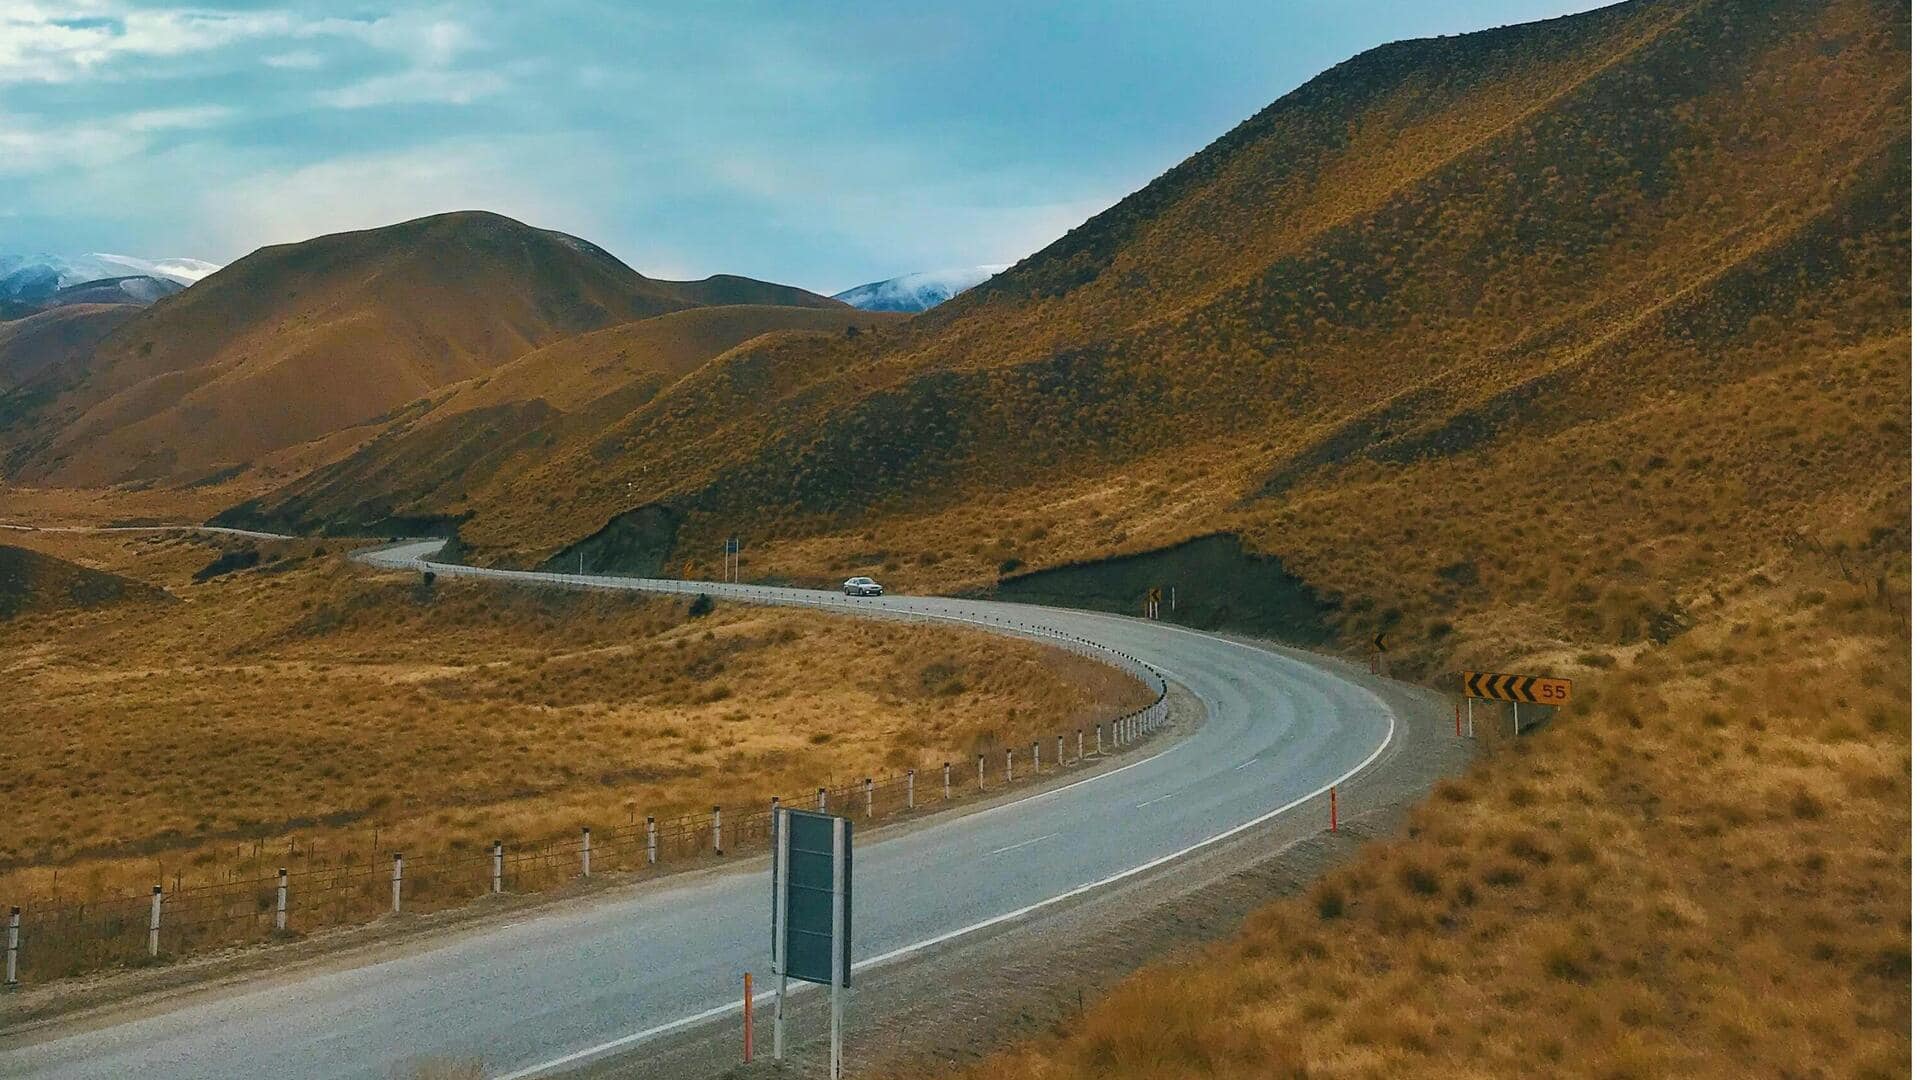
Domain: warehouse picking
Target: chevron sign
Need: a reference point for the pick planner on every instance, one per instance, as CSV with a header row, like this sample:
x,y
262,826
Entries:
x,y
1528,688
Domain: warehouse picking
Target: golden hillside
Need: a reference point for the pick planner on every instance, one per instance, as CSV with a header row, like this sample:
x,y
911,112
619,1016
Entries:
x,y
1627,286
298,341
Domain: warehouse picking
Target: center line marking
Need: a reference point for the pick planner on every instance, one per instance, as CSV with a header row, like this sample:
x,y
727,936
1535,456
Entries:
x,y
1150,802
1244,764
1023,843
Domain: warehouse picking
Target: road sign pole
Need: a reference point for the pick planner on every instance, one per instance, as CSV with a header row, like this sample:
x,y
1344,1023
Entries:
x,y
781,847
1516,719
840,942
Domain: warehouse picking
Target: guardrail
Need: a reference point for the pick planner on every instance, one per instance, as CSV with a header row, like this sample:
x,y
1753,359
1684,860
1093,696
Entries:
x,y
53,937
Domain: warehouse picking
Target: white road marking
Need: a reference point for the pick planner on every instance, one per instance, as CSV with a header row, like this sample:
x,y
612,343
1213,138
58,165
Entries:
x,y
1150,802
1023,843
983,924
1244,764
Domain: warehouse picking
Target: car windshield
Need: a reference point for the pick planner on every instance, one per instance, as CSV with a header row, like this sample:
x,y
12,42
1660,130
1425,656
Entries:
x,y
861,581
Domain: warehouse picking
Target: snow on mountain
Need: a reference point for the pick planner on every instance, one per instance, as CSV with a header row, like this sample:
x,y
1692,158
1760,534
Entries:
x,y
36,277
917,292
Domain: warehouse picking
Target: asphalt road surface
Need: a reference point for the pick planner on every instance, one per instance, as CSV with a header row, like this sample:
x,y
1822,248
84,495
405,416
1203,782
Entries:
x,y
573,984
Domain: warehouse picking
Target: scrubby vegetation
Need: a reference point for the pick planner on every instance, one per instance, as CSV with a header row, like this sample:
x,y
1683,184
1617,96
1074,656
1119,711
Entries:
x,y
305,704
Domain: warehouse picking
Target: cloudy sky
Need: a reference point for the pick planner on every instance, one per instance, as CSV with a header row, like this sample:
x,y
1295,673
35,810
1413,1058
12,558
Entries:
x,y
822,144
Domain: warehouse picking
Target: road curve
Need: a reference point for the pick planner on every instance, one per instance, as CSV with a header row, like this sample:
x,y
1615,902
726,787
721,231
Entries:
x,y
538,994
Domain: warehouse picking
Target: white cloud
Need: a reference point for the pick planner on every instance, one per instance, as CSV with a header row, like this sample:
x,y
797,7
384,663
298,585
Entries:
x,y
28,147
417,86
247,208
297,60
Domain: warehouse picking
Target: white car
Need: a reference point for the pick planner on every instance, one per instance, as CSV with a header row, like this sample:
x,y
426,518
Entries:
x,y
861,586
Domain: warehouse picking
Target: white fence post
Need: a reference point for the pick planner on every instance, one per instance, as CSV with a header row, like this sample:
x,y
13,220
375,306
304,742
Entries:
x,y
716,832
653,842
280,902
946,780
1059,749
1099,738
153,925
869,796
499,857
1036,755
820,800
982,762
399,861
1009,764
13,947
1079,743
910,789
586,851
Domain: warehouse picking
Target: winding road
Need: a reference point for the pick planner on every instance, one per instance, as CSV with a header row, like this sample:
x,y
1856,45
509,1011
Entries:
x,y
544,992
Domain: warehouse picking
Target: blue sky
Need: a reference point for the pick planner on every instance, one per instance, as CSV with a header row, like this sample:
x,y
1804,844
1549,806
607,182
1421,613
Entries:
x,y
823,145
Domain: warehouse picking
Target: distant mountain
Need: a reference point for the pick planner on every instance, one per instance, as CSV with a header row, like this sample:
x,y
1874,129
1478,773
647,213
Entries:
x,y
140,289
917,292
36,277
299,341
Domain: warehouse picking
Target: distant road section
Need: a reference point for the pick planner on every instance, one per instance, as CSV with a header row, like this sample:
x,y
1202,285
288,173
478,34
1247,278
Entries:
x,y
578,983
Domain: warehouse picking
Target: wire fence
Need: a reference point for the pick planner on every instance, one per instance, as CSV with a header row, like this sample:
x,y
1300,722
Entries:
x,y
52,937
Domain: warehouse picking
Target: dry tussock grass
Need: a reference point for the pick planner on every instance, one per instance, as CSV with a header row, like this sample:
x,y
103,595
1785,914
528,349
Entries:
x,y
1700,870
310,703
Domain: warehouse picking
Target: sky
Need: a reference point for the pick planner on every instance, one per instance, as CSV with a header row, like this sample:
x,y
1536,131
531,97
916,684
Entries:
x,y
817,144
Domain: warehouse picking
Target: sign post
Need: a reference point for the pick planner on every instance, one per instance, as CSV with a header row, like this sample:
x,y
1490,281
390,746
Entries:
x,y
1530,689
812,913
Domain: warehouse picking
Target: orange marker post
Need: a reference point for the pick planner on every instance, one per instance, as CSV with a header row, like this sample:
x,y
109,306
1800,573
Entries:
x,y
1333,810
747,1055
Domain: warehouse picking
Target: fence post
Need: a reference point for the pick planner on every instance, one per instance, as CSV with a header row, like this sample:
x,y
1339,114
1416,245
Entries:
x,y
280,902
716,831
653,842
13,947
820,800
910,789
399,861
499,857
946,780
1099,738
1079,743
1036,755
1059,749
983,772
586,851
153,925
773,818
1009,764
869,786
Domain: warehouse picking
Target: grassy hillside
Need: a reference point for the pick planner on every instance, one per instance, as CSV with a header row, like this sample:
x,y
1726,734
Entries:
x,y
298,341
435,460
1515,272
35,583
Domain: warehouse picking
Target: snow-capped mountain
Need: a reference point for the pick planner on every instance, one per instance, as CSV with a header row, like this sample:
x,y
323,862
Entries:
x,y
917,292
33,278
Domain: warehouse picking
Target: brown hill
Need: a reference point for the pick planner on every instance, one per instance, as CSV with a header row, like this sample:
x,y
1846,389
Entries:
x,y
298,341
46,345
1629,283
35,583
436,459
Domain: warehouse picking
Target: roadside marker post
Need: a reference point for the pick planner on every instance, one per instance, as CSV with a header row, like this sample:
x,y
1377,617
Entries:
x,y
1009,764
280,902
399,862
13,947
812,915
946,780
1333,809
716,832
910,773
983,772
820,799
869,787
1079,743
1059,750
586,851
747,1011
1036,755
499,858
653,842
